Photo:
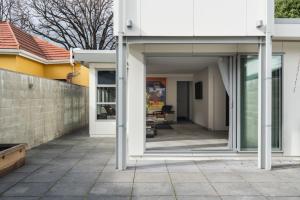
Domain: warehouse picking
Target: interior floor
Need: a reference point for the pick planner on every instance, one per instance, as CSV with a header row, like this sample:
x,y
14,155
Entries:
x,y
187,136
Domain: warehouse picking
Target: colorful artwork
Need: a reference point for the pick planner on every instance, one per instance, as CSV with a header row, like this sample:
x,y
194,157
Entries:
x,y
156,93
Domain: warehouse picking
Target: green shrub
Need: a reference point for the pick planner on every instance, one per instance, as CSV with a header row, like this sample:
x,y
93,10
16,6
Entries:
x,y
287,8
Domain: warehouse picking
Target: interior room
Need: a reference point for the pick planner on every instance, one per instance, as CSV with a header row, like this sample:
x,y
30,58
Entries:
x,y
187,103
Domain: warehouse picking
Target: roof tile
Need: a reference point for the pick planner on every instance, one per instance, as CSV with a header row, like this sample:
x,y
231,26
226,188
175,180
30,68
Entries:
x,y
12,37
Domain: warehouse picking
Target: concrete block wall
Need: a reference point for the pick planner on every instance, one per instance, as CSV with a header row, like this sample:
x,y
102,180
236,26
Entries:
x,y
35,110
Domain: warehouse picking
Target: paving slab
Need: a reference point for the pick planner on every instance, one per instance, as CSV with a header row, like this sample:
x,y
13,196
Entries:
x,y
187,177
277,189
151,177
223,177
194,189
28,189
244,198
89,177
183,167
70,189
198,198
153,189
153,198
116,177
235,189
111,189
13,177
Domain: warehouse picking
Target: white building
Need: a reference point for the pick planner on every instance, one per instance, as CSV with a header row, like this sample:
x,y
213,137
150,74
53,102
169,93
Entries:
x,y
238,98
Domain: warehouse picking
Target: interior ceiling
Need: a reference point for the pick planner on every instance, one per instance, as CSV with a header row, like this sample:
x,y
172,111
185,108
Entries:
x,y
178,65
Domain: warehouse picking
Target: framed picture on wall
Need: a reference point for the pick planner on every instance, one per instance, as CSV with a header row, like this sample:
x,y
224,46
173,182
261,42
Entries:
x,y
198,90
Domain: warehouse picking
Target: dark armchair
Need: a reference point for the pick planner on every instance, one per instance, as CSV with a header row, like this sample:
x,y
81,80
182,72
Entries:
x,y
165,111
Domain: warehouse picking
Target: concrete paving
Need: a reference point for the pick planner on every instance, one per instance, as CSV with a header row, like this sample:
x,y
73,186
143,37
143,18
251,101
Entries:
x,y
78,167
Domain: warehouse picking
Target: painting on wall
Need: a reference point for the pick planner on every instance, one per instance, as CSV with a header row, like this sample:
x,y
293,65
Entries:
x,y
156,93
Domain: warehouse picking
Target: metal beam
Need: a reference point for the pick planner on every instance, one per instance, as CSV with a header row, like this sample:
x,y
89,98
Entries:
x,y
192,40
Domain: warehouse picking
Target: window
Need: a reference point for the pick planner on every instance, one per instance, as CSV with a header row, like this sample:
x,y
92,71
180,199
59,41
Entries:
x,y
106,94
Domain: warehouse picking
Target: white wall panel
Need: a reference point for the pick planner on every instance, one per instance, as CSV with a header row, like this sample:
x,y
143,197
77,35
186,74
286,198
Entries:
x,y
136,115
167,17
255,11
133,9
219,17
291,106
194,17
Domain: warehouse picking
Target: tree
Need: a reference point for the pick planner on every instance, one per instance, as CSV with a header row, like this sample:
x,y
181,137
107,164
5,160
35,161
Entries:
x,y
86,24
12,11
287,8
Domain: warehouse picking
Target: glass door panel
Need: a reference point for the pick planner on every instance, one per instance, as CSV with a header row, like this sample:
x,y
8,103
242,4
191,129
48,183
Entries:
x,y
249,101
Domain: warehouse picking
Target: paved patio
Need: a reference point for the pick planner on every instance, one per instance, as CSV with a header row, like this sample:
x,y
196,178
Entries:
x,y
78,167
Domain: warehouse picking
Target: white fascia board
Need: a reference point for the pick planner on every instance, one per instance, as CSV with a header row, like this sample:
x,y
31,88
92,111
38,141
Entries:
x,y
31,56
94,56
287,29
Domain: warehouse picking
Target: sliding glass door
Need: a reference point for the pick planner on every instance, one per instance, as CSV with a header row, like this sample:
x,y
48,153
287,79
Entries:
x,y
249,101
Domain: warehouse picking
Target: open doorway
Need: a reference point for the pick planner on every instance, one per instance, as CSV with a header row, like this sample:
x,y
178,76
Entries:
x,y
187,103
183,101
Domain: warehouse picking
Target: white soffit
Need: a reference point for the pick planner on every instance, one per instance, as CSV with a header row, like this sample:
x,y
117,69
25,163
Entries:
x,y
178,65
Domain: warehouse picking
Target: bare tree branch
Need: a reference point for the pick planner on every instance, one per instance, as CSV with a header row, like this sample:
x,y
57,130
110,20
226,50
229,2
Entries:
x,y
73,23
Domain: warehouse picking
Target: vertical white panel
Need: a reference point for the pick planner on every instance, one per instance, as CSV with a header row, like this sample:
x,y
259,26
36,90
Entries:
x,y
133,13
92,101
136,121
167,17
219,17
255,12
291,96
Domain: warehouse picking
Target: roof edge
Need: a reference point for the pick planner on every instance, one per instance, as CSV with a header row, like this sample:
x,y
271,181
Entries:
x,y
33,57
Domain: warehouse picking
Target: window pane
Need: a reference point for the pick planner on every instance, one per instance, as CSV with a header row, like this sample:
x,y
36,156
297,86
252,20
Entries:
x,y
106,77
106,94
249,101
106,111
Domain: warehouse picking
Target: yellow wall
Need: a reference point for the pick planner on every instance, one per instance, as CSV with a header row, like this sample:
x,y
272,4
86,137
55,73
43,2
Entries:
x,y
27,66
53,71
61,71
8,62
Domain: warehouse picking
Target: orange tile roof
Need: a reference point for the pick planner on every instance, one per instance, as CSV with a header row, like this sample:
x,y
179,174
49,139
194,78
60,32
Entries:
x,y
12,37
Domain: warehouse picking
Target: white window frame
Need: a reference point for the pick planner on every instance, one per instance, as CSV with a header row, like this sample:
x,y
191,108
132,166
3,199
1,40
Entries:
x,y
104,86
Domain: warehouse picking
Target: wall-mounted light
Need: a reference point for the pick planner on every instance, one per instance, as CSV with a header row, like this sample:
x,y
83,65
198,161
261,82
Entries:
x,y
129,23
259,23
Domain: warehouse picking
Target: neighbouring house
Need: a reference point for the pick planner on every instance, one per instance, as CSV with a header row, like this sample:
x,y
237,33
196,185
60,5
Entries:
x,y
28,54
42,94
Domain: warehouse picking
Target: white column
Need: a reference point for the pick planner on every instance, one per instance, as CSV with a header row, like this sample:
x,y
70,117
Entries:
x,y
121,153
265,105
265,92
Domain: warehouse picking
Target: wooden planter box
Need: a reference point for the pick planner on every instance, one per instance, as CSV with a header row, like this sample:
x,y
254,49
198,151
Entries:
x,y
12,156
